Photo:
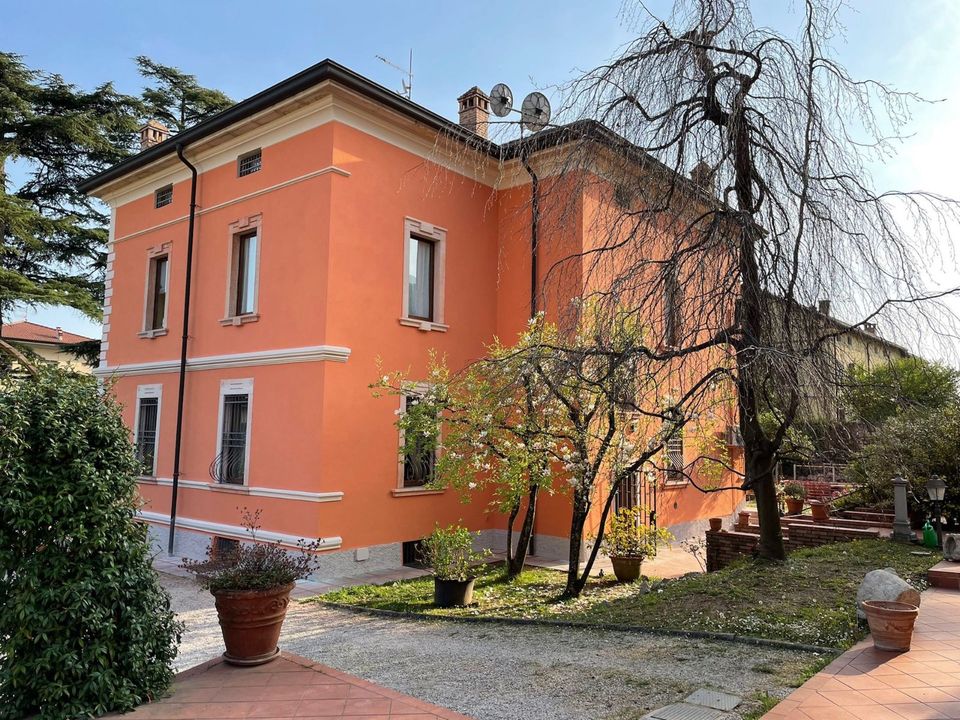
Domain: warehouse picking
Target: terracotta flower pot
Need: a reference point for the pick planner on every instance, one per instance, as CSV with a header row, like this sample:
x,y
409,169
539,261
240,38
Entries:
x,y
820,510
626,568
452,593
891,623
716,524
744,518
794,506
250,621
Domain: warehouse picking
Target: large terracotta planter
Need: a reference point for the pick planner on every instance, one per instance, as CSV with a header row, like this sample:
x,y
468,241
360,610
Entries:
x,y
891,623
794,506
452,593
250,621
626,568
820,510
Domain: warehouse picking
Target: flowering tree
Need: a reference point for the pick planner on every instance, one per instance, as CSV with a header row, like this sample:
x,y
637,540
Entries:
x,y
560,411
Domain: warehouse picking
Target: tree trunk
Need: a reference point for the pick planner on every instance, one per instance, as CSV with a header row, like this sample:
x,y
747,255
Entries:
x,y
575,582
759,468
516,560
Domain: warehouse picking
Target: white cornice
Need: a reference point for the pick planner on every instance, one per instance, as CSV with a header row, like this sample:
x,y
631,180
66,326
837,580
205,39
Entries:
x,y
312,108
317,353
301,495
238,532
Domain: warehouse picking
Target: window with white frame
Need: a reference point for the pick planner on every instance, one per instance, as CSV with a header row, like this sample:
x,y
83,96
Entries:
x,y
163,196
675,467
147,427
419,458
156,291
423,275
244,264
231,464
249,163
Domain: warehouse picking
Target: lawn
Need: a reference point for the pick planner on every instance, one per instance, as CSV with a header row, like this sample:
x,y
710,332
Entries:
x,y
807,599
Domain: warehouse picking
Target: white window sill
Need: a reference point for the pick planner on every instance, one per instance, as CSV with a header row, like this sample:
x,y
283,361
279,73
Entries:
x,y
238,320
416,491
151,479
423,325
150,334
230,488
675,483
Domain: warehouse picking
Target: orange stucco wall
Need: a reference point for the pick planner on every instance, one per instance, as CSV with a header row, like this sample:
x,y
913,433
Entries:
x,y
331,273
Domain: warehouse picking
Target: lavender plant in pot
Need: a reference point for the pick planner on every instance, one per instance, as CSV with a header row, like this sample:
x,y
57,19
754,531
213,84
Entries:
x,y
449,551
628,542
251,583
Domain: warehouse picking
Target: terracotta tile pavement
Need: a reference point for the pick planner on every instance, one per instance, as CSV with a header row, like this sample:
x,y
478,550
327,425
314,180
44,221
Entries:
x,y
869,684
287,688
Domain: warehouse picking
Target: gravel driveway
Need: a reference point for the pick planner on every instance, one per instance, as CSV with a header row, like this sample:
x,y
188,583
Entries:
x,y
496,672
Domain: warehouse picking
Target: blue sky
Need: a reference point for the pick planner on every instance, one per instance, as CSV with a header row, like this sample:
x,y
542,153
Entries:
x,y
243,46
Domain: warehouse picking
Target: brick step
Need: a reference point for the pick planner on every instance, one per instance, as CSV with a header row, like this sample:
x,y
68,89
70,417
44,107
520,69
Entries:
x,y
886,518
836,522
945,574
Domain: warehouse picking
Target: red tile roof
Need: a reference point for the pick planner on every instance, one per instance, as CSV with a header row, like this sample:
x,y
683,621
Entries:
x,y
32,332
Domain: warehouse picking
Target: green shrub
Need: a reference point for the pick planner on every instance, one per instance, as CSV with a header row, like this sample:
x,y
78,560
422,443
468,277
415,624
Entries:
x,y
795,491
627,536
85,627
449,551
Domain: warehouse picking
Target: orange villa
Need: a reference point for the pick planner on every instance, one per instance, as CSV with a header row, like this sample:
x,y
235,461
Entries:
x,y
335,223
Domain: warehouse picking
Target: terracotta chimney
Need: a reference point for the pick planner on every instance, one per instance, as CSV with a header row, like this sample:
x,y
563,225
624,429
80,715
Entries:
x,y
475,111
702,176
59,333
824,307
153,133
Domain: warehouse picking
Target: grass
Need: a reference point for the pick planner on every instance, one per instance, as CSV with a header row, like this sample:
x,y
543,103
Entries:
x,y
807,599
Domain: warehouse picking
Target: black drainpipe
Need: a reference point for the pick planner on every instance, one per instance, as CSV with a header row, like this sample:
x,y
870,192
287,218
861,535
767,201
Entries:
x,y
183,347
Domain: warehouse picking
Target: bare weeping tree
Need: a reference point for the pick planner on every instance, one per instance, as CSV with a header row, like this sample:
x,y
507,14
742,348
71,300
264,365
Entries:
x,y
730,168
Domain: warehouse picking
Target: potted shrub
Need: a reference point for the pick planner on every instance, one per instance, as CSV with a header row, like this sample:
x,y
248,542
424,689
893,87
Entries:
x,y
628,542
449,551
794,493
251,584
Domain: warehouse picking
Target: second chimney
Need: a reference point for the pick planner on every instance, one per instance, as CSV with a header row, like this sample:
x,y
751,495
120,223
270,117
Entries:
x,y
153,133
824,307
475,111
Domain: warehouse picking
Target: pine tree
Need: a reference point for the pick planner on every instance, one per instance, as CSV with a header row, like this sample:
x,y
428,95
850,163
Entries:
x,y
52,135
176,99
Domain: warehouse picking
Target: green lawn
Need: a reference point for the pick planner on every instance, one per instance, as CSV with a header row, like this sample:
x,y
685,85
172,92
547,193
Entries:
x,y
808,599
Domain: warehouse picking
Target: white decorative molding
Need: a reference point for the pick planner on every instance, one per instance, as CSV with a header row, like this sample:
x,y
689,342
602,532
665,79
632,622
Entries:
x,y
237,531
238,199
315,353
317,497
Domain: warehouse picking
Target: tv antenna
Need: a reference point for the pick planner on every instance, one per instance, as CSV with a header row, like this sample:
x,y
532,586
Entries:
x,y
534,110
407,82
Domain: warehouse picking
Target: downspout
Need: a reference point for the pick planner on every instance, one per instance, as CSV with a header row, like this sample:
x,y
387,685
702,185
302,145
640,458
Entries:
x,y
534,246
183,347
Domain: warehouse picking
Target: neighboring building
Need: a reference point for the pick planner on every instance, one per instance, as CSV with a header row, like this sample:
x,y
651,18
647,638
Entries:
x,y
337,223
47,342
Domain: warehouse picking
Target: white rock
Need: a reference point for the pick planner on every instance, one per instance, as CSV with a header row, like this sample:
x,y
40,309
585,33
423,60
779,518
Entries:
x,y
885,585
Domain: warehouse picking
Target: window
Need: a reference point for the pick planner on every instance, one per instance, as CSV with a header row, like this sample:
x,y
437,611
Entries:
x,y
675,465
158,310
163,196
420,269
224,547
147,424
671,306
423,276
230,465
419,457
246,273
412,553
249,163
243,258
157,286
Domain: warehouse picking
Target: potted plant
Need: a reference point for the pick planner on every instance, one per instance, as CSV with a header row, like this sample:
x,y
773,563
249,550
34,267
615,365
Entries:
x,y
628,542
794,493
449,551
716,524
251,583
891,623
743,518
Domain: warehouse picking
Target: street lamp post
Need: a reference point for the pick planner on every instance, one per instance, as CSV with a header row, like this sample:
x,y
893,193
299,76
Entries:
x,y
936,488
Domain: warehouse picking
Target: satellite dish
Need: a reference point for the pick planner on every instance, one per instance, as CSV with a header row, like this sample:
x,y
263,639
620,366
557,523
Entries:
x,y
535,111
501,100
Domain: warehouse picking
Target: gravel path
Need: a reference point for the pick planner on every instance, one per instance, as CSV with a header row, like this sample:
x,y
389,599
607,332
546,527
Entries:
x,y
506,672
